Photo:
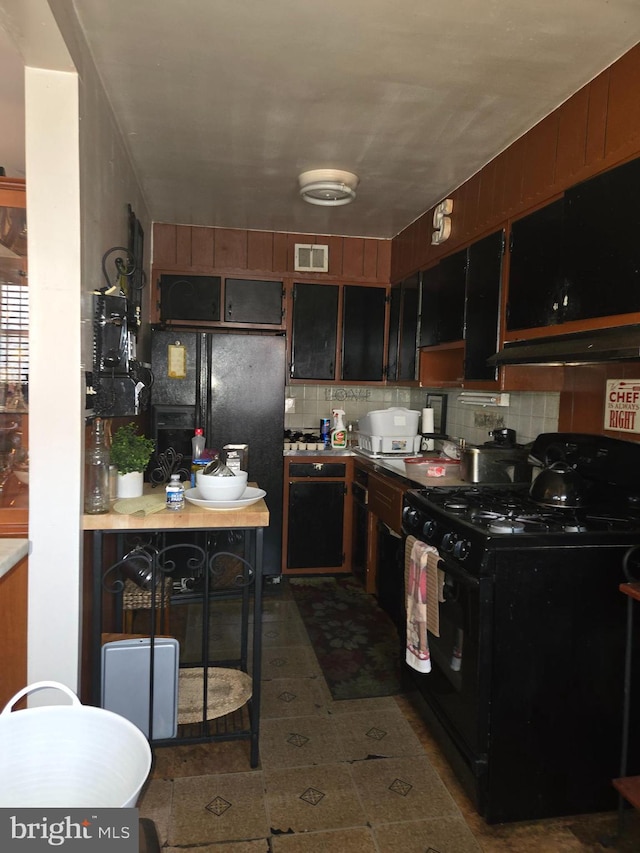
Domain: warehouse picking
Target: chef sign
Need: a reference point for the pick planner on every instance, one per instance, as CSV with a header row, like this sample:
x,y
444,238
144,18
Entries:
x,y
622,405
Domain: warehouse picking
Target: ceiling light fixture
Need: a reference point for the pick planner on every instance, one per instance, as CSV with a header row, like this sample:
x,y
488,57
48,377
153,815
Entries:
x,y
328,187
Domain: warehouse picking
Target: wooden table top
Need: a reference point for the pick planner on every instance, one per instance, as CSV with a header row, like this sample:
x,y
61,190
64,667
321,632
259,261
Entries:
x,y
192,517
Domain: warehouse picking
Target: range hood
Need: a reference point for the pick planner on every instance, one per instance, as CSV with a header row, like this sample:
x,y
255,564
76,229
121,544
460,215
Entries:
x,y
616,344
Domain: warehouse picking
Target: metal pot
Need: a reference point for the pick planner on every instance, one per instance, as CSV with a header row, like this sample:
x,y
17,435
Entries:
x,y
559,485
492,463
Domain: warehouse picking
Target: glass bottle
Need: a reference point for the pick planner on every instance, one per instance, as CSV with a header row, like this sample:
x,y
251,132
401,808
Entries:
x,y
96,490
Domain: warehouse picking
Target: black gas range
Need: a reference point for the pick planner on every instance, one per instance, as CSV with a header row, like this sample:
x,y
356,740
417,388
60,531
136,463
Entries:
x,y
526,688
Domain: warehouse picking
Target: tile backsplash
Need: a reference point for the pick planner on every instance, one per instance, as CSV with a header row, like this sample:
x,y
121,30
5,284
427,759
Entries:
x,y
528,413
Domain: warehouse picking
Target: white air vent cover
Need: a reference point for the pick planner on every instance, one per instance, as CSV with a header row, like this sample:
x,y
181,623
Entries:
x,y
311,257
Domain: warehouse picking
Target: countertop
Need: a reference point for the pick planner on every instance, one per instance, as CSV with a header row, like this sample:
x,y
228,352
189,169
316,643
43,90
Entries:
x,y
192,517
11,552
395,466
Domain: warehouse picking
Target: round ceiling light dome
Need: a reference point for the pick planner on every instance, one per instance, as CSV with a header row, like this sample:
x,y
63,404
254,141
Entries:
x,y
328,187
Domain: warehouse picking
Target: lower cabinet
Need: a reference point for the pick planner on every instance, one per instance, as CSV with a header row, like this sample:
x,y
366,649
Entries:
x,y
317,528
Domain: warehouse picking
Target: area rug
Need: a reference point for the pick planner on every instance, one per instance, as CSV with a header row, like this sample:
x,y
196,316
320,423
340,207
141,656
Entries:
x,y
355,642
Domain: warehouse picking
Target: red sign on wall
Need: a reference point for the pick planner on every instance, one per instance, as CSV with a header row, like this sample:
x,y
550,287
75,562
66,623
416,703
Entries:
x,y
622,405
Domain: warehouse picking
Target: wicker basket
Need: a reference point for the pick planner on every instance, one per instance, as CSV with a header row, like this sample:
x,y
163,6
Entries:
x,y
135,598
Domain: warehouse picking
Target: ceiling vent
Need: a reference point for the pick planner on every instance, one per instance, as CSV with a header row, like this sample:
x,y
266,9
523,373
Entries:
x,y
311,257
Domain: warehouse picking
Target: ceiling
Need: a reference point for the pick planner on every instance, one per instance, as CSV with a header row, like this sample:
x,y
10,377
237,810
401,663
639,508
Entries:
x,y
224,102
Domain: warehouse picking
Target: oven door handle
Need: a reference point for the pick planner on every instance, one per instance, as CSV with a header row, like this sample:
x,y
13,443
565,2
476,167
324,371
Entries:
x,y
455,571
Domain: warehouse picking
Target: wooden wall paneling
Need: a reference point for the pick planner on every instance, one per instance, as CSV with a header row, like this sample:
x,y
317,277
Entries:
x,y
353,257
623,113
540,145
202,254
230,248
498,185
469,212
597,121
164,244
280,248
183,246
572,138
260,250
512,185
383,260
336,247
370,259
487,208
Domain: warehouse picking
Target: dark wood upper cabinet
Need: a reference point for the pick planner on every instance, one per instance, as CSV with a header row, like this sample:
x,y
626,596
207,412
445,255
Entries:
x,y
536,273
253,302
314,331
482,306
402,344
602,245
443,292
190,297
363,322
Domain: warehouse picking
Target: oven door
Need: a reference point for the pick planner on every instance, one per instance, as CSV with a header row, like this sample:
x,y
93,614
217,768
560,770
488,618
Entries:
x,y
457,688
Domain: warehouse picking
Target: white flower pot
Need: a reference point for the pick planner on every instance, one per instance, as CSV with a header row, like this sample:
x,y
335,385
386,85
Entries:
x,y
130,485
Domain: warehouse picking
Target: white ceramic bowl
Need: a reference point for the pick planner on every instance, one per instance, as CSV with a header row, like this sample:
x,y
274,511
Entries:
x,y
213,488
22,475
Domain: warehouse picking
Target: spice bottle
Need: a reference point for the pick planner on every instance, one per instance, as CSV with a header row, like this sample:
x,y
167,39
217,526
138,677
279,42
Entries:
x,y
96,487
175,493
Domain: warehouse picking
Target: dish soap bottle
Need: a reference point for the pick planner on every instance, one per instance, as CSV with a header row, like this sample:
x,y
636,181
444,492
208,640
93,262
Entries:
x,y
338,433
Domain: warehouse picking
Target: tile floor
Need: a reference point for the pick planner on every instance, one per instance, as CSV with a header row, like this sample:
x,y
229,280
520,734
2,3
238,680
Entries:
x,y
359,776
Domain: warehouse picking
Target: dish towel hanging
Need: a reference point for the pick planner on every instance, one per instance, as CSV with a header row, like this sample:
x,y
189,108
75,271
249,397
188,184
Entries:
x,y
423,585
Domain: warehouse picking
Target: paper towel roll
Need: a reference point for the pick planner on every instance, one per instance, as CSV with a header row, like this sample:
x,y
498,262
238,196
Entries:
x,y
427,427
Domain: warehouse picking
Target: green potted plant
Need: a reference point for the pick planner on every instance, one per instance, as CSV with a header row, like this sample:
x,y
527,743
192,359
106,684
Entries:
x,y
130,453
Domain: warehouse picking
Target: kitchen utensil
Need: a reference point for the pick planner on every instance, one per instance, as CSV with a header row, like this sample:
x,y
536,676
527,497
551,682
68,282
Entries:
x,y
559,485
217,468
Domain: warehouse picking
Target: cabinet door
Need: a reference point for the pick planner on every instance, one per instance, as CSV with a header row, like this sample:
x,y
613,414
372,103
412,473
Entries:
x,y
536,273
314,331
442,314
249,301
603,245
393,353
408,344
315,532
403,329
363,333
482,309
189,297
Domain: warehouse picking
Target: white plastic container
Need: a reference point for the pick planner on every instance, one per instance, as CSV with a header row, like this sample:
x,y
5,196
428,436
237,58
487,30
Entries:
x,y
69,756
395,421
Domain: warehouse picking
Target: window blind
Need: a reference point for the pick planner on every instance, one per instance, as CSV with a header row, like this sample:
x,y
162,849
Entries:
x,y
14,331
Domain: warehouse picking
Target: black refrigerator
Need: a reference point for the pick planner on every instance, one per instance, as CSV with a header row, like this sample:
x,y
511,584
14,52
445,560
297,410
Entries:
x,y
233,386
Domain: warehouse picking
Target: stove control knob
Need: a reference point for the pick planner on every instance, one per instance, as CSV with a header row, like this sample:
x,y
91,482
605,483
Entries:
x,y
461,549
410,517
429,529
448,541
